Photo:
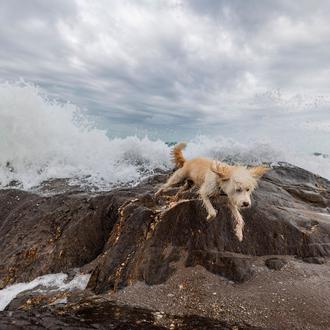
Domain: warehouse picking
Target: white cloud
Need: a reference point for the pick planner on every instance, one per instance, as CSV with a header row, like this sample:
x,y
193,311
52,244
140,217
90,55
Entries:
x,y
154,62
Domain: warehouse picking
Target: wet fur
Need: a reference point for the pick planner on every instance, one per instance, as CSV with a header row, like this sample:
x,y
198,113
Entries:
x,y
210,176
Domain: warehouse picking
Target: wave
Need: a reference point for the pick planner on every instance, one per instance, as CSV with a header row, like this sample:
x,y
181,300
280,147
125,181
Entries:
x,y
42,139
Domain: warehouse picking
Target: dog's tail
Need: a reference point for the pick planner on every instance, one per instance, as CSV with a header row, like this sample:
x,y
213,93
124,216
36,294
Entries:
x,y
177,155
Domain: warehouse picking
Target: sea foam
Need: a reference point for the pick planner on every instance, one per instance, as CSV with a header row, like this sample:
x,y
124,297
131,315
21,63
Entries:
x,y
45,283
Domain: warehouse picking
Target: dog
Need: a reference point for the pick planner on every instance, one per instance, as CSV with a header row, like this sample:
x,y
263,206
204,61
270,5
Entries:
x,y
210,176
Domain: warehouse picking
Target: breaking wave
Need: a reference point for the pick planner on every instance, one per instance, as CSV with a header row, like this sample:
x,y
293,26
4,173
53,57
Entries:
x,y
42,139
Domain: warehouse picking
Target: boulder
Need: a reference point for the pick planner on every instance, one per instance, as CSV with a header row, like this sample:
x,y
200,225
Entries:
x,y
275,263
128,235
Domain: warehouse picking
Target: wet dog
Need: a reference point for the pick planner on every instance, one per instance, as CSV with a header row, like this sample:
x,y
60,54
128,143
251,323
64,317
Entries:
x,y
210,176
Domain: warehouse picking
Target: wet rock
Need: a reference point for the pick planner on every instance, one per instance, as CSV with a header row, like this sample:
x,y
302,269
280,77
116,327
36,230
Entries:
x,y
50,234
314,260
128,235
100,313
275,263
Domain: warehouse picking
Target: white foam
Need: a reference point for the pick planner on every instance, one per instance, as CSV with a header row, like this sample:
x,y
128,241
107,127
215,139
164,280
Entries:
x,y
254,153
50,282
42,139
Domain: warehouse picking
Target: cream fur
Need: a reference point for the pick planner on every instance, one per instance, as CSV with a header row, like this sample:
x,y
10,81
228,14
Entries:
x,y
210,176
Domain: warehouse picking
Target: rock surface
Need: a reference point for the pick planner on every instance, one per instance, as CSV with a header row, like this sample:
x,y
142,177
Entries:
x,y
275,263
100,313
127,236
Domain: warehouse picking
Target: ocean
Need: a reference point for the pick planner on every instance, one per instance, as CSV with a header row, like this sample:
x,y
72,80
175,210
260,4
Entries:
x,y
42,139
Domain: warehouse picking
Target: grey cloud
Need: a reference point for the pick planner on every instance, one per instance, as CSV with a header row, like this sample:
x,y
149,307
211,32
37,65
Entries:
x,y
142,64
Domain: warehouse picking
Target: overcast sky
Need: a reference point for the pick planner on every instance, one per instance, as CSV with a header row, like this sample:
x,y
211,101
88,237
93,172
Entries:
x,y
174,67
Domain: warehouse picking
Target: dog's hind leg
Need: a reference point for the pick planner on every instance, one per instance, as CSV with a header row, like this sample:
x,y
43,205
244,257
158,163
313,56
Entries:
x,y
187,185
178,176
205,191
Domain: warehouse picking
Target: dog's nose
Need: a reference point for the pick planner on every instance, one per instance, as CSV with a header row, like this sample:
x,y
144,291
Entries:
x,y
246,204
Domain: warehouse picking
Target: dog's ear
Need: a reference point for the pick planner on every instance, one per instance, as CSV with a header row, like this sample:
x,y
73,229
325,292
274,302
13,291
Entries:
x,y
258,171
223,170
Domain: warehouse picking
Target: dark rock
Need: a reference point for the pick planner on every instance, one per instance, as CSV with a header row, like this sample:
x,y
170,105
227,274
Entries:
x,y
235,267
50,234
320,154
275,263
314,260
127,235
99,313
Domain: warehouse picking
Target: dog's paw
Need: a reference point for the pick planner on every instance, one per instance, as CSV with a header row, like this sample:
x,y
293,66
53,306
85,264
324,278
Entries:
x,y
211,215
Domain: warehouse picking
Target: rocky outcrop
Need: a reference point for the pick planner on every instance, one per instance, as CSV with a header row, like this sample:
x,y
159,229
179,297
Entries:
x,y
128,235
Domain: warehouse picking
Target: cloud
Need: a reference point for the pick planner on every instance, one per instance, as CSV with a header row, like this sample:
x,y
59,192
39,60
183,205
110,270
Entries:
x,y
171,63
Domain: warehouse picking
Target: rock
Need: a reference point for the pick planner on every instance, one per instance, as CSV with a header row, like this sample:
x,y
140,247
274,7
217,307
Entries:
x,y
128,239
314,260
233,266
43,235
127,236
275,263
100,313
320,154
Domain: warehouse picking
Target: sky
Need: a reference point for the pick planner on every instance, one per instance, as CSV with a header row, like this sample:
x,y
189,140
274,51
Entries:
x,y
173,68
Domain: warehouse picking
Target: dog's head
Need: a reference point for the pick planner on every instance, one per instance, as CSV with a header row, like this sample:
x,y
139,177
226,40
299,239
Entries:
x,y
238,182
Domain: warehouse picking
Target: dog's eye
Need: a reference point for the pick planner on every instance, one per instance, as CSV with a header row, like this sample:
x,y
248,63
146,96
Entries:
x,y
247,189
239,190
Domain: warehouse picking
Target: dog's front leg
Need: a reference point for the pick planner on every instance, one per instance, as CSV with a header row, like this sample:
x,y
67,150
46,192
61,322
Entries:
x,y
238,222
204,193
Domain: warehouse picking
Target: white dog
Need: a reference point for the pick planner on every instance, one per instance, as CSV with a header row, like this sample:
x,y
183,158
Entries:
x,y
237,182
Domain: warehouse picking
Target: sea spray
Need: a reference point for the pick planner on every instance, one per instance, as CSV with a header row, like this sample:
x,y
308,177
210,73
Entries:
x,y
42,139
